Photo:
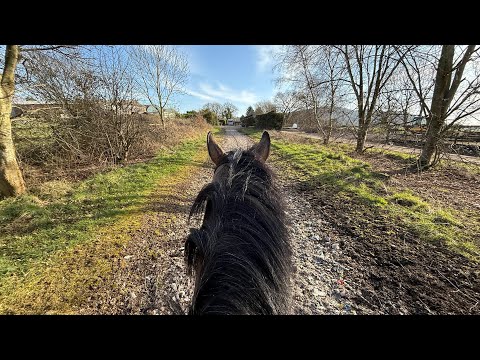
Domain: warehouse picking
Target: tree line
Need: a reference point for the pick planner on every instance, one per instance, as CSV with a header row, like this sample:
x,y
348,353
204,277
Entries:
x,y
215,113
96,88
439,83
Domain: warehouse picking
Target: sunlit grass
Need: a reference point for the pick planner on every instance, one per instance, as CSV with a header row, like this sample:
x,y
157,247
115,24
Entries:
x,y
59,241
329,170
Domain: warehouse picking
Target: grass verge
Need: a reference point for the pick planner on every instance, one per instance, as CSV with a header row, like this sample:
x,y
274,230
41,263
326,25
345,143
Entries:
x,y
335,176
57,245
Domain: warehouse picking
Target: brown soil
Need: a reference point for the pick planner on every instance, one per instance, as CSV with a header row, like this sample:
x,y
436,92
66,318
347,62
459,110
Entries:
x,y
446,185
400,274
397,274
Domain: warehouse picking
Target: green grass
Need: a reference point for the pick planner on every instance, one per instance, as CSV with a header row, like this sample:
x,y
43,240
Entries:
x,y
34,226
61,243
395,155
469,168
32,137
330,171
28,128
409,200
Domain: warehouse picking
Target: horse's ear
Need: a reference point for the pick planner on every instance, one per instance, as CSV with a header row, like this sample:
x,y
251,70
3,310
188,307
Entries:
x,y
262,149
214,150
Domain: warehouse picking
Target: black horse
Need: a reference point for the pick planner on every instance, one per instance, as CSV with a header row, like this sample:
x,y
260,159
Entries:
x,y
241,254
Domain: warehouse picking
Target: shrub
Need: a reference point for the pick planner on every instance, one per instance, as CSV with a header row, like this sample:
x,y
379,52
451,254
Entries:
x,y
248,120
190,114
271,120
210,117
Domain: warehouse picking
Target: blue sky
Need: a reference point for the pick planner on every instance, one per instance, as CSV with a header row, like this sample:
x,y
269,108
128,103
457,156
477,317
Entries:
x,y
240,74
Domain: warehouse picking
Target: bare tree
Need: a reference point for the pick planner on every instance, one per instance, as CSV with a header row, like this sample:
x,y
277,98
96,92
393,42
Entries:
x,y
405,101
314,73
99,120
331,93
456,85
72,84
11,179
387,114
265,106
229,110
161,73
52,77
299,67
368,68
215,107
120,124
286,102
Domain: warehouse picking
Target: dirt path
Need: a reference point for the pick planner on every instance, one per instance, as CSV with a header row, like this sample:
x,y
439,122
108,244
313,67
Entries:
x,y
404,149
335,270
153,279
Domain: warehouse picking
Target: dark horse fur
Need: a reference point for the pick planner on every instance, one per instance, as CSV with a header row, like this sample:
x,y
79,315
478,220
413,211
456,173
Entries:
x,y
241,254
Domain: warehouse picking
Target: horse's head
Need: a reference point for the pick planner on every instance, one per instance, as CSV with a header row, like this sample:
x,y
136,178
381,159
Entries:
x,y
240,254
237,164
259,152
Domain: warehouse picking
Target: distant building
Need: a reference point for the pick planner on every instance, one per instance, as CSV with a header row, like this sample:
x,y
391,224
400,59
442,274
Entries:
x,y
305,119
21,107
129,107
167,113
234,121
398,119
149,109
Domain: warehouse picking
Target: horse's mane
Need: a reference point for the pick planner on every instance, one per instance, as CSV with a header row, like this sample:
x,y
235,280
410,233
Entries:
x,y
241,253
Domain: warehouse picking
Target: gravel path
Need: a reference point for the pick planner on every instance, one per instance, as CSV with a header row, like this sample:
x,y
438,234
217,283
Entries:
x,y
153,279
317,281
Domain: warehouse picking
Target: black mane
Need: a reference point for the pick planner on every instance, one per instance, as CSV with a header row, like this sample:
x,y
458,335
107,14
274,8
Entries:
x,y
241,254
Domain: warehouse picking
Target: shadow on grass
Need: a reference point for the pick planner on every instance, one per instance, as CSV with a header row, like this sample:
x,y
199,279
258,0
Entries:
x,y
407,170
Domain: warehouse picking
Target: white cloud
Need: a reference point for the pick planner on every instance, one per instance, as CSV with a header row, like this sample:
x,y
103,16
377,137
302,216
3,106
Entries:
x,y
200,95
224,92
265,54
221,93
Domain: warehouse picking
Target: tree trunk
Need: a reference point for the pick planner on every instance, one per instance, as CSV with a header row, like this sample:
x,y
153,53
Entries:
x,y
429,148
11,179
328,133
405,125
362,136
362,130
326,139
161,118
439,105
